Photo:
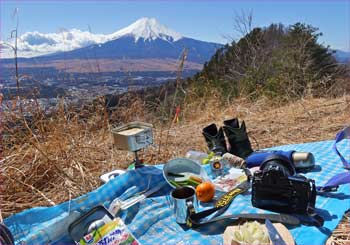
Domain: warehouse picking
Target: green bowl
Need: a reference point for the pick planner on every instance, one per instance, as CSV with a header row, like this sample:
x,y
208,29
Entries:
x,y
181,165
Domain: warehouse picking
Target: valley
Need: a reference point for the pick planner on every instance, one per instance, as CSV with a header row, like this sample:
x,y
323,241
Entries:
x,y
81,66
49,83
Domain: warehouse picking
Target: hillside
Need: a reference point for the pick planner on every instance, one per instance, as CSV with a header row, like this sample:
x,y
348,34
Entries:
x,y
274,61
68,144
66,159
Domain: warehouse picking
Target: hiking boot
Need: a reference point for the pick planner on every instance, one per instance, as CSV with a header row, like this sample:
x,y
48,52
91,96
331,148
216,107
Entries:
x,y
238,138
215,139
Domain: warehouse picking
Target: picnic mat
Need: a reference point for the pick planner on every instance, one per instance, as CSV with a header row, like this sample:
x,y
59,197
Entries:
x,y
152,220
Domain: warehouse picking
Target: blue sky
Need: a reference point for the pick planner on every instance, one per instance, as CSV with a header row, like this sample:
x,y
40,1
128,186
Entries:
x,y
205,20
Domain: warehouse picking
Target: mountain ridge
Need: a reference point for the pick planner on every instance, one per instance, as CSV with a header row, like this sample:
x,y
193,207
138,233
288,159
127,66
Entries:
x,y
36,44
125,47
342,56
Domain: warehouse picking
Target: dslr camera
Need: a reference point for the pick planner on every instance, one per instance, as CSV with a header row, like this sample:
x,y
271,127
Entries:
x,y
277,187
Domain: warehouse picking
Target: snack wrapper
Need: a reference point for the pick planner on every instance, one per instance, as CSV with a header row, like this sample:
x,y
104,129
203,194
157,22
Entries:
x,y
112,233
230,180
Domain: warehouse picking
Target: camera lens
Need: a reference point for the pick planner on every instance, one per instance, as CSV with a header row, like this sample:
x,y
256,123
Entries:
x,y
278,164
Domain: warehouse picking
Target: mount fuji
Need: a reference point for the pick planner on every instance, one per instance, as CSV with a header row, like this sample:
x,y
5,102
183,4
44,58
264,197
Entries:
x,y
144,41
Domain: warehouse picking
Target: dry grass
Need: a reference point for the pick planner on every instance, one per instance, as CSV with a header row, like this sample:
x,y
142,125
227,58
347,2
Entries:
x,y
341,235
54,160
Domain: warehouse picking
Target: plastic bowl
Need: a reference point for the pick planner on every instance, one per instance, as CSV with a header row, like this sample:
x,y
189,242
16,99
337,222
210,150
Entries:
x,y
181,165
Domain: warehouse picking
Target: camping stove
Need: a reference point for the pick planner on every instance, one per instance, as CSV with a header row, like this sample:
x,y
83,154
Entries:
x,y
133,137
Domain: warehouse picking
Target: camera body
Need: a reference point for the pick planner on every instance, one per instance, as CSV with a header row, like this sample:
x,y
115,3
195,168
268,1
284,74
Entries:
x,y
276,187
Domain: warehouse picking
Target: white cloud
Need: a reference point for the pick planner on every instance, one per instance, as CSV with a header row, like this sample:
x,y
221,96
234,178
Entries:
x,y
35,43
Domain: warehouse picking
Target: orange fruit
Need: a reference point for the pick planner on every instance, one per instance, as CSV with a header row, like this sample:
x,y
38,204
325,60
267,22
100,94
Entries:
x,y
205,191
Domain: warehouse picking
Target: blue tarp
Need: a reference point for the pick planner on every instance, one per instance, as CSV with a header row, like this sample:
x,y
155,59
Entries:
x,y
152,222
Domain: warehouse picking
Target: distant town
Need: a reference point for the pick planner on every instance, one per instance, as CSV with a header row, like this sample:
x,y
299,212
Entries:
x,y
47,85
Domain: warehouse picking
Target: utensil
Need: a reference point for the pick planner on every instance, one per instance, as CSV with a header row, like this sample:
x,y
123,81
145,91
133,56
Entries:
x,y
184,176
183,200
280,218
117,204
274,235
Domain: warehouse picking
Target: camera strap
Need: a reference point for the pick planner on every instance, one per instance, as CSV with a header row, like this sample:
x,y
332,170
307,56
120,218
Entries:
x,y
342,178
334,182
223,203
341,135
5,235
200,218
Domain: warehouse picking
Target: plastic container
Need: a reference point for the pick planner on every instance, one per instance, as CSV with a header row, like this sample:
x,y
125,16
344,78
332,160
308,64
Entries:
x,y
196,156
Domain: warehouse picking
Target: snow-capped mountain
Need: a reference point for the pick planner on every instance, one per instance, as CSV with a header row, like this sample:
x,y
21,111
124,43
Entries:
x,y
147,29
145,38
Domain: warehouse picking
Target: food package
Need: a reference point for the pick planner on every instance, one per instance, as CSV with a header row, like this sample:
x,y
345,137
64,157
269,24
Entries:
x,y
111,233
227,182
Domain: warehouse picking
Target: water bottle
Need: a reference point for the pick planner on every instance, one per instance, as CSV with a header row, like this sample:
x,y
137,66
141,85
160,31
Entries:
x,y
303,160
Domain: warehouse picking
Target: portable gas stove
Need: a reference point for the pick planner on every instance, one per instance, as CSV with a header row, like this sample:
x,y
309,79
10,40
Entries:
x,y
133,136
